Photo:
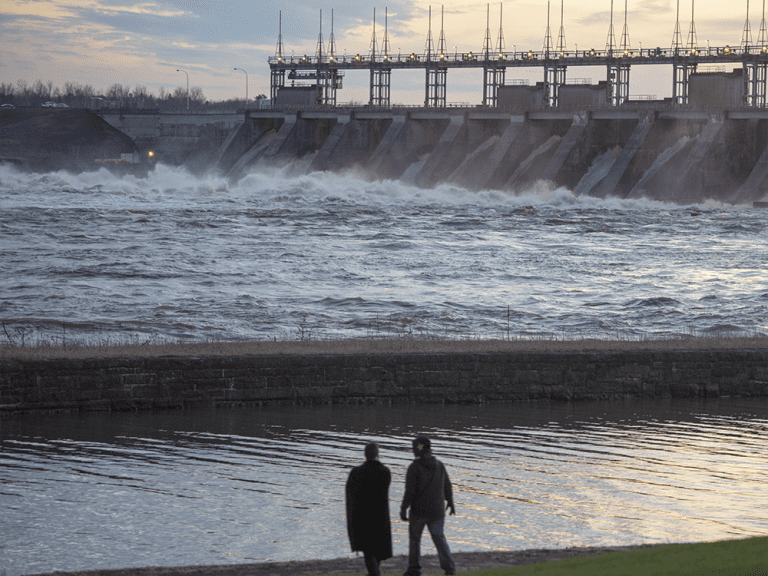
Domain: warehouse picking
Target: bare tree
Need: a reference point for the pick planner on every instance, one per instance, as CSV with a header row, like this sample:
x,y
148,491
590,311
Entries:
x,y
39,92
196,96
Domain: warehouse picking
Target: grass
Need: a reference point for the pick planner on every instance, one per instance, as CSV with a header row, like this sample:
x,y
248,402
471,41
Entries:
x,y
728,558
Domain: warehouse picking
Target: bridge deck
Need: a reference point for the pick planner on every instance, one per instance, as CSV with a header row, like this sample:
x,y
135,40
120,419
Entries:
x,y
529,59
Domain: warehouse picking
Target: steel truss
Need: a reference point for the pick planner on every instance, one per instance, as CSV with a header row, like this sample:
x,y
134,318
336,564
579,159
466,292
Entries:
x,y
681,75
618,83
379,88
755,76
435,87
493,77
554,77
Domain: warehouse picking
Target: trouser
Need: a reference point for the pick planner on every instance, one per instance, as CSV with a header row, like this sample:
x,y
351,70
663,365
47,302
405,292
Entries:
x,y
435,527
371,564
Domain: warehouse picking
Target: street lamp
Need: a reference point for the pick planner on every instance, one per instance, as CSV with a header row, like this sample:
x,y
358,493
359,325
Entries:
x,y
246,86
185,72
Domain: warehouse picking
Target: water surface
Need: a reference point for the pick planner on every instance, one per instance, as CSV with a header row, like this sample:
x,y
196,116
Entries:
x,y
98,491
103,259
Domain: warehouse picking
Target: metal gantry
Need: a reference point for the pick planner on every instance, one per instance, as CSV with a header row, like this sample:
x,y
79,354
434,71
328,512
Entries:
x,y
326,68
495,69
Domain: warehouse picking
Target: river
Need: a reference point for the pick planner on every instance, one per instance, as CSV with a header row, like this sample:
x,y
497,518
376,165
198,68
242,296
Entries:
x,y
94,258
88,491
99,259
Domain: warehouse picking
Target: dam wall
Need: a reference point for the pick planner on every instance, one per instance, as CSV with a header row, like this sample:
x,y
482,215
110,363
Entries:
x,y
177,137
670,154
118,384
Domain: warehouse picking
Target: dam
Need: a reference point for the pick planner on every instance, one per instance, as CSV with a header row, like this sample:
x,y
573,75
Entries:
x,y
680,155
709,140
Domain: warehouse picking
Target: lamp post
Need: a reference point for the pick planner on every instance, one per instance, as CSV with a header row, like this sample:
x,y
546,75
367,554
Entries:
x,y
185,72
246,86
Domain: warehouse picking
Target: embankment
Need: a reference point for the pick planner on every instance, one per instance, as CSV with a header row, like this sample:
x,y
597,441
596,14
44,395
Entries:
x,y
43,139
61,384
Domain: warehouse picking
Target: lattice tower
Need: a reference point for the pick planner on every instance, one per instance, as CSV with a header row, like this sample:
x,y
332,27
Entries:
x,y
320,48
625,44
331,40
692,42
279,47
610,42
561,46
500,40
746,35
548,35
487,40
385,47
441,44
677,38
429,47
372,50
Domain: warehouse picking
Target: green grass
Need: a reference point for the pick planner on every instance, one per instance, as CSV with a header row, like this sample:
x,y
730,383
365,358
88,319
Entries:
x,y
729,558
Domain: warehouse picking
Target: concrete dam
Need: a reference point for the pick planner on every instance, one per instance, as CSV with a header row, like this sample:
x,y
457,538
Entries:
x,y
664,153
714,146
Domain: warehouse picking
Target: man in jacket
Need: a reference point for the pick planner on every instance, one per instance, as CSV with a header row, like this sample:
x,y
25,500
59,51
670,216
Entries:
x,y
427,489
368,524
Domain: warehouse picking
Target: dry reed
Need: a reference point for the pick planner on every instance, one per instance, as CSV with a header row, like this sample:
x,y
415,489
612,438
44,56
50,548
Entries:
x,y
373,346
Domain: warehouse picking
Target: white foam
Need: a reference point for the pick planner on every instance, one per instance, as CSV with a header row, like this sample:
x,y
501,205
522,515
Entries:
x,y
177,185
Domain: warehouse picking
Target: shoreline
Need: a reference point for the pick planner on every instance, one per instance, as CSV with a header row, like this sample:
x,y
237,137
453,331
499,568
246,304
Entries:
x,y
367,346
465,562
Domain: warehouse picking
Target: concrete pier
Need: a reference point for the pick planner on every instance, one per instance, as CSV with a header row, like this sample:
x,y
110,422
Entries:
x,y
376,163
564,149
608,185
690,182
488,174
439,161
278,144
322,160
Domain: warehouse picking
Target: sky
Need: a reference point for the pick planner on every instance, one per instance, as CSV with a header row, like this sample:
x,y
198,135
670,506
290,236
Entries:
x,y
144,42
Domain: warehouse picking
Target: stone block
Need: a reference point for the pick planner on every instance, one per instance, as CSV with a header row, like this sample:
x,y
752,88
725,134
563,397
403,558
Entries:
x,y
684,389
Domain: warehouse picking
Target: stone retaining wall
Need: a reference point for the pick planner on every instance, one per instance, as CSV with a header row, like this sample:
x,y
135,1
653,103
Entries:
x,y
147,383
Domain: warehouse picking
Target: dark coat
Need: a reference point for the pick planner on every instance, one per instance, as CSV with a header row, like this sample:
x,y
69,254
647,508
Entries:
x,y
427,489
368,522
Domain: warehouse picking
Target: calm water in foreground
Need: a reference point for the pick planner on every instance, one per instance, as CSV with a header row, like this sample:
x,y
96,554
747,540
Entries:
x,y
95,491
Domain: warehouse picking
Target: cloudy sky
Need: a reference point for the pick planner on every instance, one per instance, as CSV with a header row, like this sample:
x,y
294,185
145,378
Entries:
x,y
144,42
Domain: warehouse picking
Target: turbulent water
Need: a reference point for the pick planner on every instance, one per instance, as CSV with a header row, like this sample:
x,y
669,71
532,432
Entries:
x,y
98,258
97,491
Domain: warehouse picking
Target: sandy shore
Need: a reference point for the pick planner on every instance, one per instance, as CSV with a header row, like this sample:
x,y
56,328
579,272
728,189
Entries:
x,y
465,562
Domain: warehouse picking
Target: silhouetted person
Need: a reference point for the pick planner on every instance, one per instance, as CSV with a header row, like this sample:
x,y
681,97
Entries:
x,y
368,525
427,489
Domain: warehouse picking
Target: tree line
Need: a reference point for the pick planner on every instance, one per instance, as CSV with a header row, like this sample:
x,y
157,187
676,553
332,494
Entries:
x,y
116,96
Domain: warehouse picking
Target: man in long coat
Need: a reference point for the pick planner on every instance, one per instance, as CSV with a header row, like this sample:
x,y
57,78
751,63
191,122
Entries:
x,y
368,524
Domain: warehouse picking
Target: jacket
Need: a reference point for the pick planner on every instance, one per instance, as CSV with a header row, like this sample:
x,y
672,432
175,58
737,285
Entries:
x,y
368,524
427,489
